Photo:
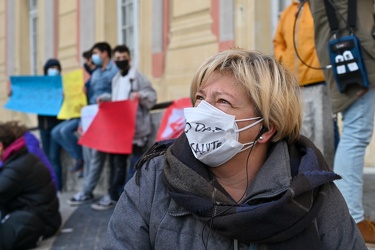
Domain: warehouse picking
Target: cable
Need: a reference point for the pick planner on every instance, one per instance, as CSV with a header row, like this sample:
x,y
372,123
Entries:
x,y
205,243
295,44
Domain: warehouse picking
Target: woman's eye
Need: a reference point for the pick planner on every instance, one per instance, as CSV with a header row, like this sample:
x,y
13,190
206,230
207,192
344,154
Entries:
x,y
198,97
223,101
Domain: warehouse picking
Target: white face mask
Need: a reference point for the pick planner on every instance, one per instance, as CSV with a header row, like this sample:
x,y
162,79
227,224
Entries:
x,y
213,134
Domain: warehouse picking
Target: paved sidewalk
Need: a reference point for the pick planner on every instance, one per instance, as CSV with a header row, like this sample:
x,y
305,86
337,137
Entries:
x,y
84,228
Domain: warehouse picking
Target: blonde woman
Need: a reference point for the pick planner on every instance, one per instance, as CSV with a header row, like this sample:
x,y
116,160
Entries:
x,y
241,176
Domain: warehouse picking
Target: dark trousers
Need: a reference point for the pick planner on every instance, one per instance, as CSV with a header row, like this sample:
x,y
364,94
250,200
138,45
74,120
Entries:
x,y
52,149
22,230
119,174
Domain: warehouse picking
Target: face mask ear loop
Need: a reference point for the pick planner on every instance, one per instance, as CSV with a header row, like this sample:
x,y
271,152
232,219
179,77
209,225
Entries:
x,y
249,126
248,119
248,145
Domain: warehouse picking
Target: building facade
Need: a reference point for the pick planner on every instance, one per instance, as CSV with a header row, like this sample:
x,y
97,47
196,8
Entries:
x,y
168,39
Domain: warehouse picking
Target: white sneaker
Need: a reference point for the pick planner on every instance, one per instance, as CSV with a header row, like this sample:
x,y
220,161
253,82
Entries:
x,y
104,203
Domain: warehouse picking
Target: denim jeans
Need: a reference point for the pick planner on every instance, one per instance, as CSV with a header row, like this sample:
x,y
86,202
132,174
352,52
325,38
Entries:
x,y
52,149
358,125
64,134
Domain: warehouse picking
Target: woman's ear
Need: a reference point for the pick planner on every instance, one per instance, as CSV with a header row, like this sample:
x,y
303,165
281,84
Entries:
x,y
266,133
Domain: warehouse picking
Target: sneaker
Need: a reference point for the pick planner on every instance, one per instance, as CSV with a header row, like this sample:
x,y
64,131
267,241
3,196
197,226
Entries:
x,y
80,198
78,165
104,203
367,230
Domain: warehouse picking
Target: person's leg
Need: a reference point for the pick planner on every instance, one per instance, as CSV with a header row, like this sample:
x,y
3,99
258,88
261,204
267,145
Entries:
x,y
324,131
118,164
54,152
87,155
44,137
92,176
21,230
336,131
70,140
317,120
64,134
92,170
137,153
358,125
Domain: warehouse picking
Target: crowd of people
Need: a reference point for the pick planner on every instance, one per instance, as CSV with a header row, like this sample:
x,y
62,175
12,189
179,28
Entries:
x,y
112,78
30,212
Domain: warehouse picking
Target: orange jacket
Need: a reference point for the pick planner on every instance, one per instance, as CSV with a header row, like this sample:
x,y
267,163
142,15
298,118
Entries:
x,y
304,36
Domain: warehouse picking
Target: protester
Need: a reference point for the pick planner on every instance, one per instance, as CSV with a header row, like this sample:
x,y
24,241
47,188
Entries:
x,y
100,83
46,123
89,67
240,177
128,83
28,203
290,42
356,104
66,135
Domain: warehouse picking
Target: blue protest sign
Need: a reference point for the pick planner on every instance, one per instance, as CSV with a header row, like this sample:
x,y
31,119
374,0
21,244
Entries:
x,y
41,95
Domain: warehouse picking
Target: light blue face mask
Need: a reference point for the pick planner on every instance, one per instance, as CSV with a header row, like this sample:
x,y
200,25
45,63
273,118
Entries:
x,y
52,72
96,59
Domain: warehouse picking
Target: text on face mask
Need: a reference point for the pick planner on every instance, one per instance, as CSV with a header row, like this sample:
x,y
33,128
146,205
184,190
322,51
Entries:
x,y
200,127
202,148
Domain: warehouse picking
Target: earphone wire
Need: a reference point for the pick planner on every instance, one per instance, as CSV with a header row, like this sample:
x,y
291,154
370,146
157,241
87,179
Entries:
x,y
295,43
205,243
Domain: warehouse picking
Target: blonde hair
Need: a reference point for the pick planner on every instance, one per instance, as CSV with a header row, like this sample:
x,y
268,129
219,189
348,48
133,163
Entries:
x,y
272,89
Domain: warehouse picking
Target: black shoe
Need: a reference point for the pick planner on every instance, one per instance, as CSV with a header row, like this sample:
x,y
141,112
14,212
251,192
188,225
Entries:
x,y
80,198
77,166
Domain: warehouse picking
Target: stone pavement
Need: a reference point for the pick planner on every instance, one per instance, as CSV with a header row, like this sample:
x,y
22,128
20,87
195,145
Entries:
x,y
84,229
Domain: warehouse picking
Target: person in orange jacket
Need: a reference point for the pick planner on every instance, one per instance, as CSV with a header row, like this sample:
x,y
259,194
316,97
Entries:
x,y
294,47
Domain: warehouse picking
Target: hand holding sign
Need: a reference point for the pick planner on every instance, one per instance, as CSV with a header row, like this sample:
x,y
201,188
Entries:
x,y
113,128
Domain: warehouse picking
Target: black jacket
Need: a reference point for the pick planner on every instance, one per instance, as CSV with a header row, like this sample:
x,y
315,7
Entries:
x,y
26,184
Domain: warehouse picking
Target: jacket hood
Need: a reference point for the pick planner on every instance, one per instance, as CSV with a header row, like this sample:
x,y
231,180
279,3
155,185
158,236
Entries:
x,y
51,62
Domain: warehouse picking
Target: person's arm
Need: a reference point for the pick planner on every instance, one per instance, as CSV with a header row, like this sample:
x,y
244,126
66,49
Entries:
x,y
130,224
337,228
146,93
279,43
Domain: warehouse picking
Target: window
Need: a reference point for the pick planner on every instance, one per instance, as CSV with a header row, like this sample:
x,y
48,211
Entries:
x,y
128,26
277,7
226,20
33,26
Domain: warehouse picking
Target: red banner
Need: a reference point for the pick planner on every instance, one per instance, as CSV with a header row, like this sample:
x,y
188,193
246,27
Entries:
x,y
113,128
173,121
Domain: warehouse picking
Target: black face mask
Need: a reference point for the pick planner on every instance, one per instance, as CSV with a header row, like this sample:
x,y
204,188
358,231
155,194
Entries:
x,y
123,65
